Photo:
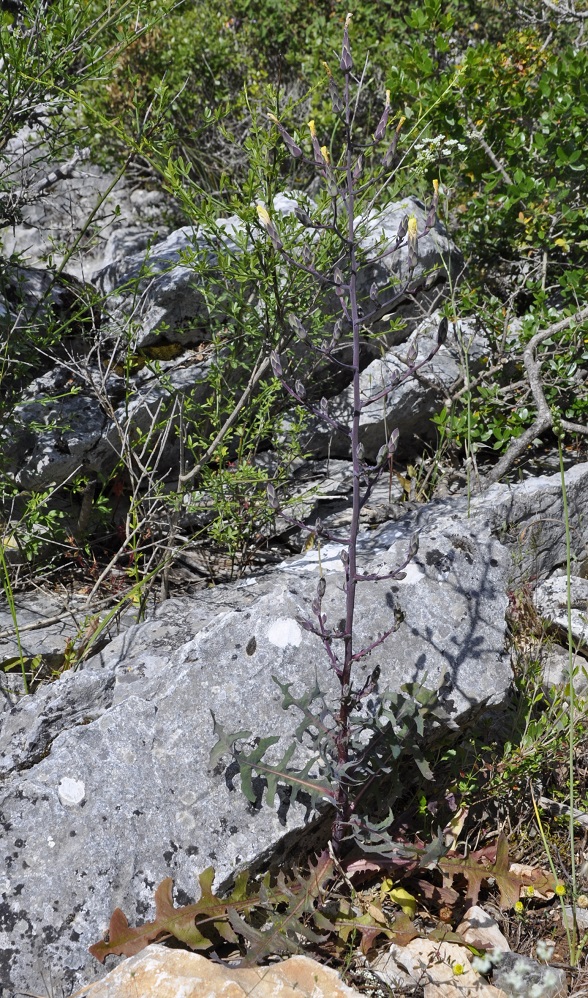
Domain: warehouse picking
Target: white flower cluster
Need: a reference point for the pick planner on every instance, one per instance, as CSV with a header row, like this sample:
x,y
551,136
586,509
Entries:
x,y
436,147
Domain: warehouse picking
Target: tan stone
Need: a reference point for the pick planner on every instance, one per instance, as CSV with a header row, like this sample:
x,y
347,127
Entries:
x,y
158,972
443,970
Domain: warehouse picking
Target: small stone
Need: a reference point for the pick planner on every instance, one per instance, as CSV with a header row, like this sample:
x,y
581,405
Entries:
x,y
443,970
158,972
520,976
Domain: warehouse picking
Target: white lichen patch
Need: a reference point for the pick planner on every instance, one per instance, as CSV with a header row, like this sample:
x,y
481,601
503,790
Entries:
x,y
71,792
284,632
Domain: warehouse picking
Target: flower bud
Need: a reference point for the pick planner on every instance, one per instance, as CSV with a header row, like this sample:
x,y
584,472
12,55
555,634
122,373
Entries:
x,y
391,150
295,324
272,499
442,331
263,215
346,60
412,242
276,364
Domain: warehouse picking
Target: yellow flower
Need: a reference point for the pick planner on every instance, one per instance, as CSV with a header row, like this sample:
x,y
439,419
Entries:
x,y
312,128
560,890
529,891
436,186
272,117
412,227
458,968
387,98
263,215
325,153
519,907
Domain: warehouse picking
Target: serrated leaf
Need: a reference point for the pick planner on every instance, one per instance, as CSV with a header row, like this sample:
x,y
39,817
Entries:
x,y
191,923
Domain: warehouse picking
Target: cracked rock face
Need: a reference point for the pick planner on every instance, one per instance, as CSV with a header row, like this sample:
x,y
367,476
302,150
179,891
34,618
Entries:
x,y
107,787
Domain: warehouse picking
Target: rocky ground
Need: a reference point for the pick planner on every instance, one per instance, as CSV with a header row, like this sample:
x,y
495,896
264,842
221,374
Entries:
x,y
106,783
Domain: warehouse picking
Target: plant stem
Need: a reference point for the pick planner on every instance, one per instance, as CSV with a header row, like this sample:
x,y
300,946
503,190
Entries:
x,y
572,693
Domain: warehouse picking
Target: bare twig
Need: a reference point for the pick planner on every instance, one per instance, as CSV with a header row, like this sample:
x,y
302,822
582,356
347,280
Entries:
x,y
544,419
479,137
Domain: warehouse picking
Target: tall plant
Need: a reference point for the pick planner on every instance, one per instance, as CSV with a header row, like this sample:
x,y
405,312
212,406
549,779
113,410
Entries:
x,y
348,760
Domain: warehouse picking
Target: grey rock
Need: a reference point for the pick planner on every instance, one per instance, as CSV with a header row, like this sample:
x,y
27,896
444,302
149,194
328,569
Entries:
x,y
555,668
124,220
171,302
520,975
40,633
80,437
149,806
528,518
411,405
28,730
551,600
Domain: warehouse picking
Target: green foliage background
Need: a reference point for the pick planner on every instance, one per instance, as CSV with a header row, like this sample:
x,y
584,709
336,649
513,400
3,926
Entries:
x,y
496,108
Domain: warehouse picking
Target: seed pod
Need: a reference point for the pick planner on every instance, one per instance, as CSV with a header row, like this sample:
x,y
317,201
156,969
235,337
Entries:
x,y
412,353
324,407
374,292
337,276
337,330
358,168
300,390
321,587
360,452
344,556
393,441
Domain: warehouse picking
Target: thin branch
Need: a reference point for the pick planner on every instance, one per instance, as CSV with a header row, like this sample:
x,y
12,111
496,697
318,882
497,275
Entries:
x,y
479,137
544,420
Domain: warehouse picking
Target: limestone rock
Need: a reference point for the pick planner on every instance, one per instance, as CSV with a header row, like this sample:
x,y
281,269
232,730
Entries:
x,y
443,970
528,518
408,408
151,807
158,972
521,976
134,727
171,302
552,604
